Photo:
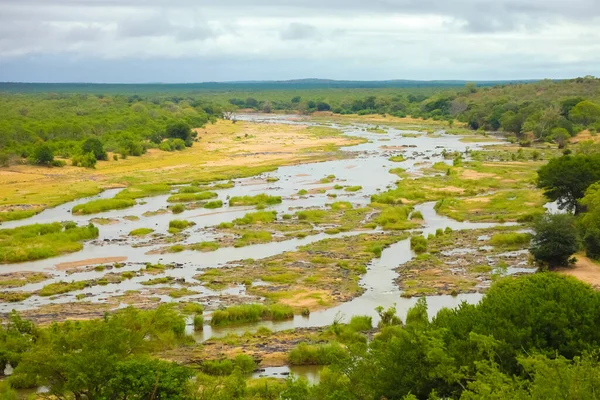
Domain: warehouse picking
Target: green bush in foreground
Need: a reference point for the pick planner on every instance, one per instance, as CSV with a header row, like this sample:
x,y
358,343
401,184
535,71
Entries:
x,y
100,205
320,354
39,241
247,313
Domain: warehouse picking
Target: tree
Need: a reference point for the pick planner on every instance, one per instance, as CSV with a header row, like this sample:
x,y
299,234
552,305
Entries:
x,y
251,102
585,113
43,155
590,221
94,145
555,239
565,179
181,130
560,136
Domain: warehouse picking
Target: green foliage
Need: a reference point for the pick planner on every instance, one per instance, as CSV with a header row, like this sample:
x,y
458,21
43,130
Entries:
x,y
39,241
418,244
213,204
397,158
555,239
100,205
182,131
253,237
141,232
585,113
510,240
86,160
141,191
248,313
189,197
319,354
180,224
566,178
259,217
590,221
103,358
178,208
42,155
262,198
94,146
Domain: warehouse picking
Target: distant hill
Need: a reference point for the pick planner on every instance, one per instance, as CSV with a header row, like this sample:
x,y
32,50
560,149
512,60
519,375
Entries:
x,y
296,84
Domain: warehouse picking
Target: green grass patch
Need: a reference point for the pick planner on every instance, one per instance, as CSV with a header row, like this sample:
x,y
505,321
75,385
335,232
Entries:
x,y
254,200
253,237
394,218
158,281
177,225
141,232
205,246
101,205
140,191
327,179
511,240
249,313
62,287
190,197
259,217
397,158
352,188
40,241
213,204
318,354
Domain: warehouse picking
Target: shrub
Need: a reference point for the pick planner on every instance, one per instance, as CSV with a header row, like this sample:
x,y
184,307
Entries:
x,y
321,354
416,215
178,208
418,244
555,239
94,146
213,204
42,155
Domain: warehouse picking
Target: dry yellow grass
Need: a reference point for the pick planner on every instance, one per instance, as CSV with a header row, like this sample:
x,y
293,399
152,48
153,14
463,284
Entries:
x,y
224,151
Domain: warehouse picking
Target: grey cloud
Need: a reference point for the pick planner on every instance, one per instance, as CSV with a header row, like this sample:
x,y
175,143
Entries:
x,y
298,31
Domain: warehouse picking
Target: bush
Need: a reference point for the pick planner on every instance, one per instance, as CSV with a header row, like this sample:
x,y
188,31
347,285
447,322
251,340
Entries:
x,y
263,217
178,208
87,160
555,239
141,232
418,244
322,354
190,197
42,155
253,237
95,147
213,204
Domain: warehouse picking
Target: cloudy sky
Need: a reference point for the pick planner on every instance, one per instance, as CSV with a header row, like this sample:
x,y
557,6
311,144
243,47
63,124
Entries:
x,y
225,40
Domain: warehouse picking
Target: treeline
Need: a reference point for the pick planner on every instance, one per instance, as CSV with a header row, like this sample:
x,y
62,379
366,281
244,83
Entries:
x,y
530,337
39,127
545,110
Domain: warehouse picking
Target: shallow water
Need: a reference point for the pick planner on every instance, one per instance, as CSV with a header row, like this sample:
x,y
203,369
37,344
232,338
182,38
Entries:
x,y
369,169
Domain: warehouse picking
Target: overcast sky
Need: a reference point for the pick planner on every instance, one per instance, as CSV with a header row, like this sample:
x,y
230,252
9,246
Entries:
x,y
225,40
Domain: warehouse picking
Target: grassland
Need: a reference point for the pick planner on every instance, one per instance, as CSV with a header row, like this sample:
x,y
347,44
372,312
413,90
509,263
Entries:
x,y
39,241
220,154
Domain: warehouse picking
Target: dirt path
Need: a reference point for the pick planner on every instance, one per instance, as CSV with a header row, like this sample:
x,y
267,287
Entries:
x,y
585,270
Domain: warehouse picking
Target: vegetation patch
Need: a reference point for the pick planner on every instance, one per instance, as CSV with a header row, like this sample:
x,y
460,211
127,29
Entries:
x,y
213,204
248,313
141,232
18,279
190,197
141,191
39,241
101,205
262,198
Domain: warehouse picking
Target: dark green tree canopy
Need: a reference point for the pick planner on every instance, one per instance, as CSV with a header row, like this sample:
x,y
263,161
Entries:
x,y
555,239
43,155
565,179
181,130
94,146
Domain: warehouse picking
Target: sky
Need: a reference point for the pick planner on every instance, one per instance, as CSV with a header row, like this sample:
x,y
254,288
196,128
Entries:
x,y
180,41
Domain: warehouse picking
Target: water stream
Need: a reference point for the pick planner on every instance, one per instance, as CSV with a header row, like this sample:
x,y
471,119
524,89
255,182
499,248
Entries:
x,y
368,168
